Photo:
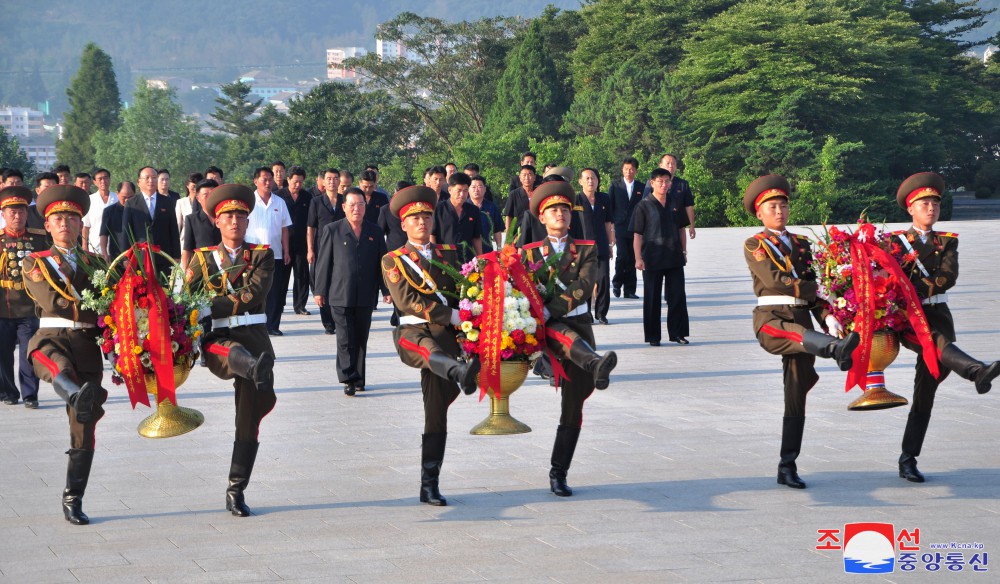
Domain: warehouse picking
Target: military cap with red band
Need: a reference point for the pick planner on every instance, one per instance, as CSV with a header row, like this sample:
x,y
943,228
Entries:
x,y
14,196
229,198
549,194
919,186
64,199
765,188
413,200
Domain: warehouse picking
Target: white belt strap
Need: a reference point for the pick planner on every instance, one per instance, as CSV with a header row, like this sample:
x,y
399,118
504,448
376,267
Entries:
x,y
239,320
69,286
780,301
409,319
56,322
582,309
781,256
936,299
424,277
916,260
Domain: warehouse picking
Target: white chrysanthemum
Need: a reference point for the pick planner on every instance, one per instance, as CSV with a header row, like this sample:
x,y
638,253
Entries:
x,y
472,335
530,327
477,308
466,326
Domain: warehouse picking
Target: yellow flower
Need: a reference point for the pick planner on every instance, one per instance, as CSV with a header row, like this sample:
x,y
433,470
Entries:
x,y
472,335
194,317
841,302
107,320
466,326
530,339
105,292
473,292
137,350
474,277
197,333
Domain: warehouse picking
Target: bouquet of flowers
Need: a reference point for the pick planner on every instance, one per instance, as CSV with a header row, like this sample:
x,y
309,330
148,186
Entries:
x,y
833,264
518,341
868,291
147,326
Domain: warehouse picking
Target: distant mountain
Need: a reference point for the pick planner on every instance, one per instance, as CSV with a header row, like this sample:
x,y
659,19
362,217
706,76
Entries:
x,y
211,38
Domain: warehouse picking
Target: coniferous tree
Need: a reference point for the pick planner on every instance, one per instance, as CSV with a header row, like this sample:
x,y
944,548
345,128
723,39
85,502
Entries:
x,y
95,105
235,111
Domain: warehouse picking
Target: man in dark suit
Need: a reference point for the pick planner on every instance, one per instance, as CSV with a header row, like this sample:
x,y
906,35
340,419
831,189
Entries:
x,y
150,216
348,277
625,194
323,210
298,200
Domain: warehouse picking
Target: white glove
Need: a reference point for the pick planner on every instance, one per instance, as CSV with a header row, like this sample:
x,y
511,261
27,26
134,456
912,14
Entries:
x,y
546,313
455,319
836,329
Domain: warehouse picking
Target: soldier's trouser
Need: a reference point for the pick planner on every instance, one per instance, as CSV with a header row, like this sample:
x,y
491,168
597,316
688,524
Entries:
x,y
253,403
415,343
780,337
49,362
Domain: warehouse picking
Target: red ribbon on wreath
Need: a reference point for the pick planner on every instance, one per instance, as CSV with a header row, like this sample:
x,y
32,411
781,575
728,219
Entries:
x,y
863,254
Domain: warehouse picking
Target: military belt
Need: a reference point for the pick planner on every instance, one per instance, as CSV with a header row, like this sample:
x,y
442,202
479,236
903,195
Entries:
x,y
780,301
936,299
408,319
56,322
239,320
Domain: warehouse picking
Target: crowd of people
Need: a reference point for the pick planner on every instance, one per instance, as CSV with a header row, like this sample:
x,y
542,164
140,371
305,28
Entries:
x,y
354,245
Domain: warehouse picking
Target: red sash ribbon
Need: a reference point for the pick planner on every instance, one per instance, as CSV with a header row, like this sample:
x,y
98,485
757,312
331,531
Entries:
x,y
863,254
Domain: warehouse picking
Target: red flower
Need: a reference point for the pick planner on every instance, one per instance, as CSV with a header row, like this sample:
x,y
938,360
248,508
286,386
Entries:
x,y
465,314
517,336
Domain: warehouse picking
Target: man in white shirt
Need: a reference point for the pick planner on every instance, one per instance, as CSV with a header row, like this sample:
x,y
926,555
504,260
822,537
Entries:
x,y
269,223
98,202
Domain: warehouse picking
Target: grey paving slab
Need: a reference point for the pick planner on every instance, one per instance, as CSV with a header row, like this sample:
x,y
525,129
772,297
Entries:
x,y
673,475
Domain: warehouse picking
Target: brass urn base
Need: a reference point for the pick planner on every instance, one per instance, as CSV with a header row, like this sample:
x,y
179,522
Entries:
x,y
885,349
499,422
169,421
877,398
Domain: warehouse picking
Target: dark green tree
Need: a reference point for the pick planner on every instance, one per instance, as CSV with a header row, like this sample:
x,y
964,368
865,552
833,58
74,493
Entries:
x,y
154,132
12,156
529,93
235,113
95,106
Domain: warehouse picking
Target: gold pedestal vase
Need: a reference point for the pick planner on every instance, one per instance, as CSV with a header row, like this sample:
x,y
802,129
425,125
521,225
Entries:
x,y
512,376
885,349
170,420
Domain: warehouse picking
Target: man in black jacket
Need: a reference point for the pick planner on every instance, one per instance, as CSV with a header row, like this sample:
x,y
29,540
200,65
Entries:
x,y
298,200
348,277
149,216
625,194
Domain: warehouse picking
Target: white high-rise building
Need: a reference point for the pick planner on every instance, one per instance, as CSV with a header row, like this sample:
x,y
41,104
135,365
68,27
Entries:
x,y
390,50
335,62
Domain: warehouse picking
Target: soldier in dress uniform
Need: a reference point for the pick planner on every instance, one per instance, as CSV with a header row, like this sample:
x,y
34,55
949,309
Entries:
x,y
568,330
785,286
933,271
237,344
18,322
64,351
425,338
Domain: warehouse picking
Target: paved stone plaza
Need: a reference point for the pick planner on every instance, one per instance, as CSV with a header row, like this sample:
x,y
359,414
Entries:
x,y
674,476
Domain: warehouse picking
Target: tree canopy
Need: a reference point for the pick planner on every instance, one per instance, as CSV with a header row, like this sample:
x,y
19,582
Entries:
x,y
95,105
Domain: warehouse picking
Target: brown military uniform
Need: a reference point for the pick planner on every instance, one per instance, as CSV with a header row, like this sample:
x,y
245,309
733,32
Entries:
x,y
240,288
576,272
55,286
420,295
779,328
17,311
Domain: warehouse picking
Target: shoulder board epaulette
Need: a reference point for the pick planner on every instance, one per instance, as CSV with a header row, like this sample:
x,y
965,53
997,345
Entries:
x,y
578,208
210,248
399,252
947,234
797,236
759,236
753,243
533,245
446,247
898,232
36,231
583,241
259,246
42,254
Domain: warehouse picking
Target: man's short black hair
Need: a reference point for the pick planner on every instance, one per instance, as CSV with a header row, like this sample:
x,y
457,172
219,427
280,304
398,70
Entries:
x,y
278,163
100,170
371,167
368,175
331,171
160,171
471,166
436,169
597,175
527,167
195,177
83,175
529,153
9,172
45,176
631,160
658,172
138,174
215,170
459,178
400,185
205,183
478,177
348,174
262,169
354,191
298,171
61,168
123,183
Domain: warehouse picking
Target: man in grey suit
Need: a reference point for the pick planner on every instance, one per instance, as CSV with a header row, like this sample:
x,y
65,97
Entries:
x,y
348,276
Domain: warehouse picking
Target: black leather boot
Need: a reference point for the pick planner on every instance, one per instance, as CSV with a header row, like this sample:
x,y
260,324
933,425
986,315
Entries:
x,y
830,347
967,367
562,456
77,475
259,370
244,456
791,444
81,399
913,441
584,357
431,457
461,372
